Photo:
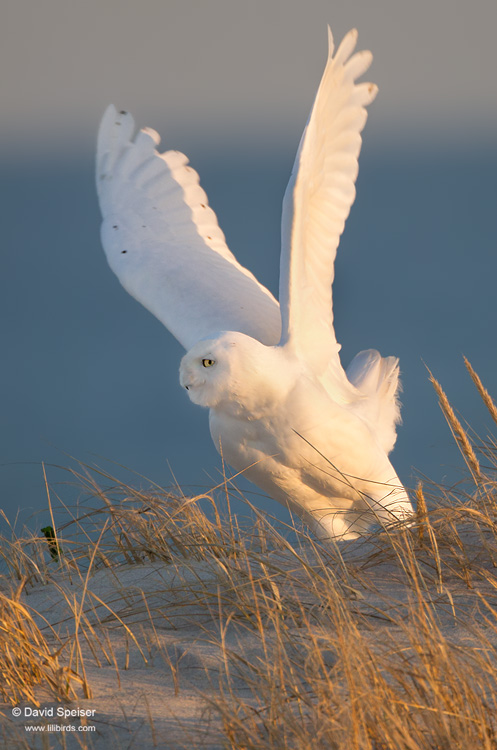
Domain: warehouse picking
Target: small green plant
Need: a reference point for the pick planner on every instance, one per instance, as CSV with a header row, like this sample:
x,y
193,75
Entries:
x,y
53,545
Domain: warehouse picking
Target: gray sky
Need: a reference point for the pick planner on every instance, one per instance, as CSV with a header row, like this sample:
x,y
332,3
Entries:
x,y
231,70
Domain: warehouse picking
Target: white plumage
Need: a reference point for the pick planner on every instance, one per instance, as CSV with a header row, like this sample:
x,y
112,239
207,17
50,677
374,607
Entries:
x,y
282,409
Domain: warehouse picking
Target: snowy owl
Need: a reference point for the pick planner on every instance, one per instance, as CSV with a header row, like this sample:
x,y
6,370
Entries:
x,y
282,410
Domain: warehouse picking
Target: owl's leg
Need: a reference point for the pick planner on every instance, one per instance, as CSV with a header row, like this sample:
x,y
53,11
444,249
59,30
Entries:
x,y
339,524
384,505
389,502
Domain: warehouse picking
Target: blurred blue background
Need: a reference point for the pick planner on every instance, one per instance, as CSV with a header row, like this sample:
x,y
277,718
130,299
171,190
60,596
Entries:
x,y
87,372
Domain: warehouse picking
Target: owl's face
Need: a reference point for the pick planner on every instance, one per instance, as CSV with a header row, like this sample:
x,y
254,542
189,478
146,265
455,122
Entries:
x,y
234,372
204,370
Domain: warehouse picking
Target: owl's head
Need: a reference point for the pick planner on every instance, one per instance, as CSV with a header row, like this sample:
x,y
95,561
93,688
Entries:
x,y
232,371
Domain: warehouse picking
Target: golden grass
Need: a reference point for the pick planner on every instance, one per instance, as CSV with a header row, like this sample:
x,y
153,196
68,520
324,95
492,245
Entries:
x,y
384,643
457,429
27,657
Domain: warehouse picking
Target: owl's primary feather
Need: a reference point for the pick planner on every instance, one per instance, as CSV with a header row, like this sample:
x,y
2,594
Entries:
x,y
282,409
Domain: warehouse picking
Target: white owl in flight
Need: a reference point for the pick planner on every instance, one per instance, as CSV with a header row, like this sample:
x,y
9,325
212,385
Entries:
x,y
282,409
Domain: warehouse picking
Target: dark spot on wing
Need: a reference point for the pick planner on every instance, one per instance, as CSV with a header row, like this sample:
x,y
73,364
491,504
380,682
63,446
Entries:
x,y
123,251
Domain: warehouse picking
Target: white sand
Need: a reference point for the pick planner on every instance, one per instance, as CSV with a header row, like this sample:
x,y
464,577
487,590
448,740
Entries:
x,y
159,698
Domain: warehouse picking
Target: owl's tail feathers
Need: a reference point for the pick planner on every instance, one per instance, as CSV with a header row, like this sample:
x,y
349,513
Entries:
x,y
378,379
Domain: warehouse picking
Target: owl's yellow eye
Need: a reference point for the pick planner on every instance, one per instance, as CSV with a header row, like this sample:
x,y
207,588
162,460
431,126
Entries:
x,y
208,362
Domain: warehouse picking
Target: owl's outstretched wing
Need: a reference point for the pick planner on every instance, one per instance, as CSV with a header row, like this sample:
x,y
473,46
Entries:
x,y
316,204
164,244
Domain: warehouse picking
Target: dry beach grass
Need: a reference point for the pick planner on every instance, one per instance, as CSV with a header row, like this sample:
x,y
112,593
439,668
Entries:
x,y
182,629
